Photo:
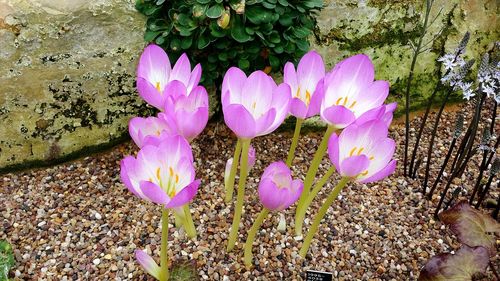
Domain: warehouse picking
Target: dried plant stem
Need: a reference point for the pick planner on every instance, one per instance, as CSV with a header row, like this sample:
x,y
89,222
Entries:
x,y
164,245
245,143
485,191
482,168
416,52
443,167
493,118
433,136
320,215
295,140
251,236
232,173
301,210
311,174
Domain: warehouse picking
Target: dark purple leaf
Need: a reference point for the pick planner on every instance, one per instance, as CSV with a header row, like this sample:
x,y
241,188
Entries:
x,y
458,267
472,227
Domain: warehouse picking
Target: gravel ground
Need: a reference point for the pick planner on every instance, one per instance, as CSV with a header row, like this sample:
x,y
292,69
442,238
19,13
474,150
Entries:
x,y
78,221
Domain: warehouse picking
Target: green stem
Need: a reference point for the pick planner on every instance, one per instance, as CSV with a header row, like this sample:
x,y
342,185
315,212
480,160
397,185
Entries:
x,y
232,174
240,196
251,235
188,223
321,214
164,245
178,221
311,174
295,140
301,210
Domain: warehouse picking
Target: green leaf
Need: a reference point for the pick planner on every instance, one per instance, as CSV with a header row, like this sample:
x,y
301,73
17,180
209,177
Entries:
x,y
186,42
286,19
175,44
274,62
458,267
6,259
301,32
151,35
203,41
268,5
203,1
215,11
258,15
274,37
238,31
159,2
160,40
472,227
283,3
243,64
303,45
222,56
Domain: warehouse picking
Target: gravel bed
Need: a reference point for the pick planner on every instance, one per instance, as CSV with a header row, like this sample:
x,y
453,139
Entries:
x,y
78,221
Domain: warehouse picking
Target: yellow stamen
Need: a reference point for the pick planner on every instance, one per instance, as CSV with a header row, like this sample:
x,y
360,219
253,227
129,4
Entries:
x,y
345,101
158,87
176,178
308,97
171,193
360,150
158,132
338,101
364,173
171,171
371,158
353,104
297,94
254,104
158,173
352,151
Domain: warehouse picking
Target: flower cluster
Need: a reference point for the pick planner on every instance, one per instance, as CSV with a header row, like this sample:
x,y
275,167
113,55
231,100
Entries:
x,y
163,170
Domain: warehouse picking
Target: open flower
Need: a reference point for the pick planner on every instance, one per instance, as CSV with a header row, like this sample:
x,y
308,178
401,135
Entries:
x,y
363,152
349,91
151,127
187,111
307,97
277,190
253,106
154,75
163,174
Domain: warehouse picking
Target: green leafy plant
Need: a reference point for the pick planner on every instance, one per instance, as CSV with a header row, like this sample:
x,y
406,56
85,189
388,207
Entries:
x,y
6,259
475,231
252,34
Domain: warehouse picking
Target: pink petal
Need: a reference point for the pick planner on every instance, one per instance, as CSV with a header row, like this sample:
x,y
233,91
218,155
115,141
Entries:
x,y
240,121
232,86
338,116
333,150
191,124
149,93
154,193
182,70
147,263
290,77
174,148
375,96
357,70
310,70
298,108
295,192
316,100
264,123
281,102
372,114
184,196
354,165
194,79
258,91
270,195
386,171
127,166
174,90
154,64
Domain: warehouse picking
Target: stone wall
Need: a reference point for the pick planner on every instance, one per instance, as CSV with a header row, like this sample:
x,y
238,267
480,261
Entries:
x,y
67,67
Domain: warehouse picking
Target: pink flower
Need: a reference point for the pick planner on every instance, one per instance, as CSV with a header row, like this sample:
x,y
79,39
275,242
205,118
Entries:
x,y
187,111
147,263
277,190
154,75
151,127
349,91
253,106
363,152
307,97
162,173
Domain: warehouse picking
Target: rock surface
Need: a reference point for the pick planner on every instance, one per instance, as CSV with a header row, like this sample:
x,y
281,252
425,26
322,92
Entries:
x,y
67,67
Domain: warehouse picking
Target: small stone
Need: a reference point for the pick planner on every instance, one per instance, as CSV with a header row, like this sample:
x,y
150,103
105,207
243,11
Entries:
x,y
98,216
97,261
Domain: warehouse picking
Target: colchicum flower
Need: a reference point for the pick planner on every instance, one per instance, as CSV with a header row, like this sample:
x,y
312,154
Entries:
x,y
363,153
186,111
277,191
147,263
253,106
306,97
154,75
162,174
351,91
151,127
